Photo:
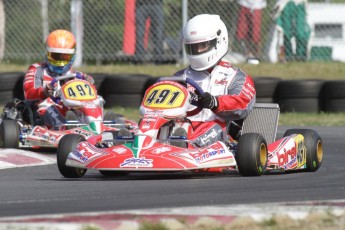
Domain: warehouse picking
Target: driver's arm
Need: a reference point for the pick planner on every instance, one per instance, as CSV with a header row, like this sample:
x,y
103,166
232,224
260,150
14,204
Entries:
x,y
33,83
240,99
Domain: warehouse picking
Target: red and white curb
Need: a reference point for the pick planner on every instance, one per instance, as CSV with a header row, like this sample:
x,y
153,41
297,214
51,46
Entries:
x,y
176,218
13,158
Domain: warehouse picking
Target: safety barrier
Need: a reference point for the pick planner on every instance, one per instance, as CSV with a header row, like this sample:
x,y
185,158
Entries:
x,y
127,90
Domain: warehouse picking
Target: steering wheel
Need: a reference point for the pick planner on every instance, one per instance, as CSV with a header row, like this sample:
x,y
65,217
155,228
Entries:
x,y
59,78
190,81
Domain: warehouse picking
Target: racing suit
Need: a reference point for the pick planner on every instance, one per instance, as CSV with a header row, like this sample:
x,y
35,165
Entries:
x,y
235,92
50,113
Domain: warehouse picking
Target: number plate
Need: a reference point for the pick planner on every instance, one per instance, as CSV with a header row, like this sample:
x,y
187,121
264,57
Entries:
x,y
79,90
165,96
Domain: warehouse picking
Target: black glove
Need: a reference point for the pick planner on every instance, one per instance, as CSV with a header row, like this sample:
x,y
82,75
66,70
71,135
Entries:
x,y
194,99
208,101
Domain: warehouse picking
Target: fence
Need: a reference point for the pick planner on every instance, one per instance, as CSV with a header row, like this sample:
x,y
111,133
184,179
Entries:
x,y
106,30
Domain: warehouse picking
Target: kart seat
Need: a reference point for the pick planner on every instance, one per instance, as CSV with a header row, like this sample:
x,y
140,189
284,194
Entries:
x,y
263,119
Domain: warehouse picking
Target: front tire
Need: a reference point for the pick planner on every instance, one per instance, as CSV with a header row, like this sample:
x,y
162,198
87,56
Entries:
x,y
251,154
9,134
314,147
66,145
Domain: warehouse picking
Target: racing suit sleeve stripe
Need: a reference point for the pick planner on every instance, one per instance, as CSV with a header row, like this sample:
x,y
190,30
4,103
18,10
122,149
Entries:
x,y
33,83
240,99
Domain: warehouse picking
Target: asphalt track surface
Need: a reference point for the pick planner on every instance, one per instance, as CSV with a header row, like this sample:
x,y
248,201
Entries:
x,y
42,190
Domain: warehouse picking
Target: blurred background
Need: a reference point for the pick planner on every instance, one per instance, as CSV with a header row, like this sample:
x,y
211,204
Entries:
x,y
149,31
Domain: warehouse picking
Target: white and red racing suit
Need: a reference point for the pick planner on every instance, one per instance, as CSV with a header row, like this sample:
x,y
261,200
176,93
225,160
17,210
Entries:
x,y
233,88
35,80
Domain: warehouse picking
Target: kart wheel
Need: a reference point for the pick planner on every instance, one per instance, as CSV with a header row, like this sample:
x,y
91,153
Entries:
x,y
9,134
251,154
107,173
67,145
314,147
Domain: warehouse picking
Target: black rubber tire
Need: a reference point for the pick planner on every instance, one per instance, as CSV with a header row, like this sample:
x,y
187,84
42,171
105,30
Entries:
x,y
8,80
306,105
123,100
333,90
9,134
99,79
5,96
265,100
125,84
266,86
251,154
333,105
149,82
314,147
66,145
289,89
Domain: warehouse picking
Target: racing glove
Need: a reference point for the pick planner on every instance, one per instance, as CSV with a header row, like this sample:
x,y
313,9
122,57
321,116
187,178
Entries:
x,y
85,77
208,101
48,90
194,99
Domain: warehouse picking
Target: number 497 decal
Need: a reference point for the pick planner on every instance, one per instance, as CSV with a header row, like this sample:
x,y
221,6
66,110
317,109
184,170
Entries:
x,y
164,96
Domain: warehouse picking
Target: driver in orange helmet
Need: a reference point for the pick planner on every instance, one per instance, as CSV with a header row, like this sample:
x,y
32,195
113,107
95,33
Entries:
x,y
59,56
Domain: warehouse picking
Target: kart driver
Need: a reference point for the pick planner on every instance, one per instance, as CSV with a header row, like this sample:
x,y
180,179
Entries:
x,y
59,56
229,92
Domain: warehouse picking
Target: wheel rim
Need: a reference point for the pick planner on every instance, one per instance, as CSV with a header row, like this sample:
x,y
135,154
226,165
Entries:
x,y
263,155
80,171
319,151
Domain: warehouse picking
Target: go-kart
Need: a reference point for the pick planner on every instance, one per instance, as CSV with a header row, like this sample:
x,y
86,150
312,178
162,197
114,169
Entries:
x,y
156,148
85,117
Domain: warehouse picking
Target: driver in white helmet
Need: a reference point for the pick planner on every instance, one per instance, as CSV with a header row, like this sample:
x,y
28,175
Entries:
x,y
229,92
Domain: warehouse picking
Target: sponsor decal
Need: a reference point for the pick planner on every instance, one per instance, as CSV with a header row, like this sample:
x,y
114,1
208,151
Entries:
x,y
119,150
210,136
84,154
137,162
161,150
82,132
209,155
293,153
80,156
43,135
223,81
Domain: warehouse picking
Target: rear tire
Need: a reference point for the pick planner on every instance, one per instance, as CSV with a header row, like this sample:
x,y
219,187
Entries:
x,y
66,145
9,134
314,147
251,154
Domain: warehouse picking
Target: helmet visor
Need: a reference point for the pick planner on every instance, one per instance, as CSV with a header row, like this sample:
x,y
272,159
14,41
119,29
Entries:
x,y
200,48
59,59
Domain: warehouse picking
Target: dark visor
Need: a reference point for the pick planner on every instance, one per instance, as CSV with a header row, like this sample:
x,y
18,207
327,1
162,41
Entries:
x,y
200,48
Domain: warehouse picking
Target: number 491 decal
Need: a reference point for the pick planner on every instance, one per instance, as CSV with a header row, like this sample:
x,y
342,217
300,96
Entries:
x,y
164,96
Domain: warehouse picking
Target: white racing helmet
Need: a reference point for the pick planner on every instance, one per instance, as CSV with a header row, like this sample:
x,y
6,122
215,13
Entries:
x,y
205,38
